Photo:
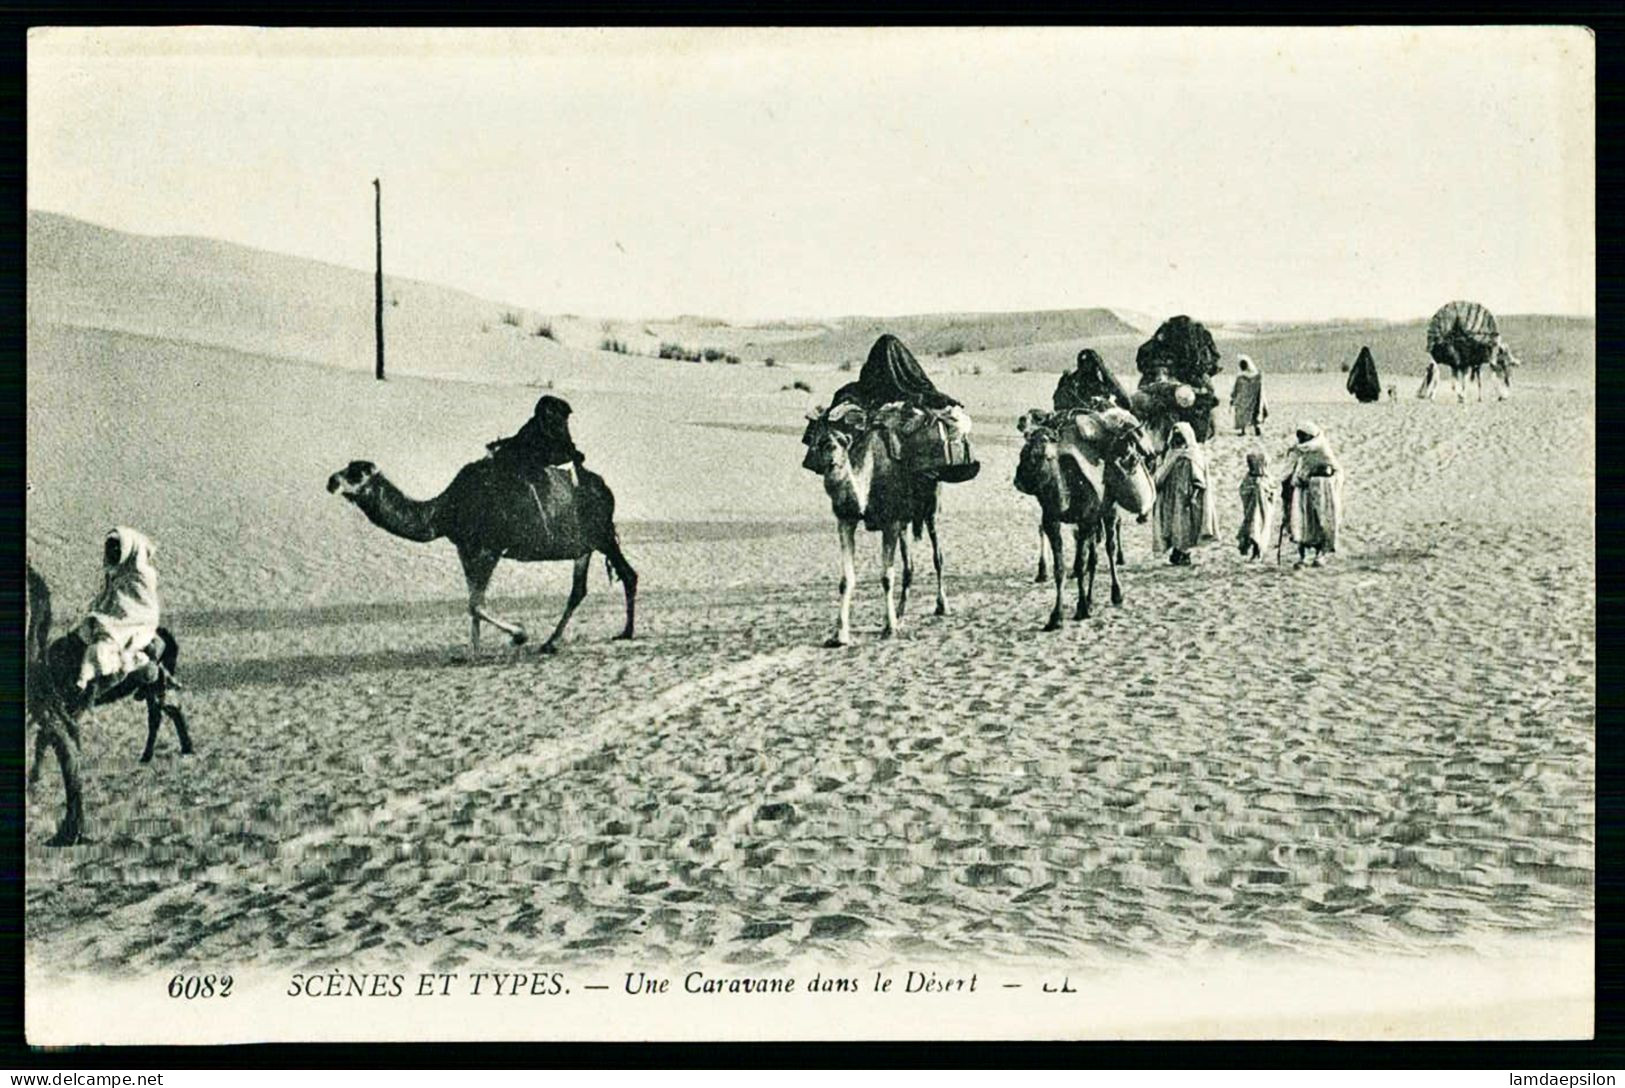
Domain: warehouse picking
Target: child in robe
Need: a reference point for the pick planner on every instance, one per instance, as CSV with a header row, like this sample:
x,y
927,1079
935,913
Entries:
x,y
1257,507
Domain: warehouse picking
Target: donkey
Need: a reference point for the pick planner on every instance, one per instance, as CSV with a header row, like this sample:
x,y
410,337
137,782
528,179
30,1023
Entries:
x,y
55,703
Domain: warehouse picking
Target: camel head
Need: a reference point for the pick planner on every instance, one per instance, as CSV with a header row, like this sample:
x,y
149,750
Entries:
x,y
353,480
1502,361
829,437
1038,472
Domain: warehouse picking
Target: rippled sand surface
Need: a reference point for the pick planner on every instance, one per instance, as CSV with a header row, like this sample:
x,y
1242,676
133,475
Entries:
x,y
1391,754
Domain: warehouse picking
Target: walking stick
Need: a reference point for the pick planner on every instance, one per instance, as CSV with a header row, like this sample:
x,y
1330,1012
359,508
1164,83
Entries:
x,y
1280,535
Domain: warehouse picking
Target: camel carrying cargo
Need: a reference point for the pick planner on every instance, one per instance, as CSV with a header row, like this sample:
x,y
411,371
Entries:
x,y
1463,336
933,443
1176,378
925,429
1082,465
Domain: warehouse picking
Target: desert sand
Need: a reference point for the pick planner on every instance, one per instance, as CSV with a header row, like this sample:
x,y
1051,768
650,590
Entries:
x,y
1392,754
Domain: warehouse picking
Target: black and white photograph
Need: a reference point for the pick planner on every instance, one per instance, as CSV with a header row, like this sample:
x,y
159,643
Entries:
x,y
773,534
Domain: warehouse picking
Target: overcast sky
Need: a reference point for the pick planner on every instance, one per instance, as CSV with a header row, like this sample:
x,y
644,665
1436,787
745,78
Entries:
x,y
1225,174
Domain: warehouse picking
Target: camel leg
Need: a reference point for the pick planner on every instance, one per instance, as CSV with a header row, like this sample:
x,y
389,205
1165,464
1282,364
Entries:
x,y
42,741
1043,557
888,565
578,593
71,830
1114,543
849,579
477,570
908,572
1052,532
629,581
936,561
1086,583
155,718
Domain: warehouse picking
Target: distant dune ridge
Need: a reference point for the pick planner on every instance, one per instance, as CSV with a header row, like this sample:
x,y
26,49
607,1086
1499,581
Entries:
x,y
221,294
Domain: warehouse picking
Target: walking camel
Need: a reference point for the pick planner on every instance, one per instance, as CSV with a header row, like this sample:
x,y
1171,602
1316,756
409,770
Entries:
x,y
56,704
1050,473
868,482
1463,336
492,512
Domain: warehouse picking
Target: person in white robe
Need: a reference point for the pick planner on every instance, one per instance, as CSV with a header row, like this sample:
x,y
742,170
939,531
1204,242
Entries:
x,y
1183,515
1313,495
123,618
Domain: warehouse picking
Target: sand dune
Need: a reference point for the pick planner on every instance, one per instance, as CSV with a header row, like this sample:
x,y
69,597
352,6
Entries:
x,y
1395,753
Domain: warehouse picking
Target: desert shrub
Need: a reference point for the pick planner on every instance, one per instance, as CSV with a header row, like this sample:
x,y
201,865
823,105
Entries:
x,y
1345,367
801,385
769,361
845,364
510,317
954,347
1018,369
394,300
711,355
677,351
545,331
731,360
617,346
977,370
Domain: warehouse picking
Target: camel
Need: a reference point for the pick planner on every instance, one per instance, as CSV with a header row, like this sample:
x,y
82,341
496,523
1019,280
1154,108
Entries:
x,y
55,703
1467,358
1066,494
867,481
490,512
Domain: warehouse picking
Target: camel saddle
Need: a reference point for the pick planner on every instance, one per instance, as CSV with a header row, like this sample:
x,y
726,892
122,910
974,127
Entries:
x,y
935,442
1084,437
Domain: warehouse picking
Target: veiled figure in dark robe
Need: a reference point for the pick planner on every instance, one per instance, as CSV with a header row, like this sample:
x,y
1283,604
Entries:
x,y
1088,385
543,440
891,373
1363,380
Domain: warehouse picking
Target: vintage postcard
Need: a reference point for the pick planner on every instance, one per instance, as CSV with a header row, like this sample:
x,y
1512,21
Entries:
x,y
810,534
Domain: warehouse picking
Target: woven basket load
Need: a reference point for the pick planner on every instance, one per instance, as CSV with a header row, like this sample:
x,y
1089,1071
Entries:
x,y
1461,321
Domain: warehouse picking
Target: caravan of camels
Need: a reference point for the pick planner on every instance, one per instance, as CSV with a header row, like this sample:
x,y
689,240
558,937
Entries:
x,y
883,449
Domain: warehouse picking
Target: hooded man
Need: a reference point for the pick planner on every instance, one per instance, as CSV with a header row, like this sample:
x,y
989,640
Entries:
x,y
123,618
1313,494
1247,397
1184,514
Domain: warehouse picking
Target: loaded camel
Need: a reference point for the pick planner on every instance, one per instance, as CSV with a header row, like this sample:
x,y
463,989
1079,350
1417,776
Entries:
x,y
1086,496
1463,336
490,512
868,482
1467,360
56,704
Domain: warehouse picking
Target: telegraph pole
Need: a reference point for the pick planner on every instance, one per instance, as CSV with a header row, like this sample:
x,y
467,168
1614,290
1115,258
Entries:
x,y
378,280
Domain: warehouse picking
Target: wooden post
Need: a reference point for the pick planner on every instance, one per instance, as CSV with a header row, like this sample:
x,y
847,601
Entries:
x,y
378,281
